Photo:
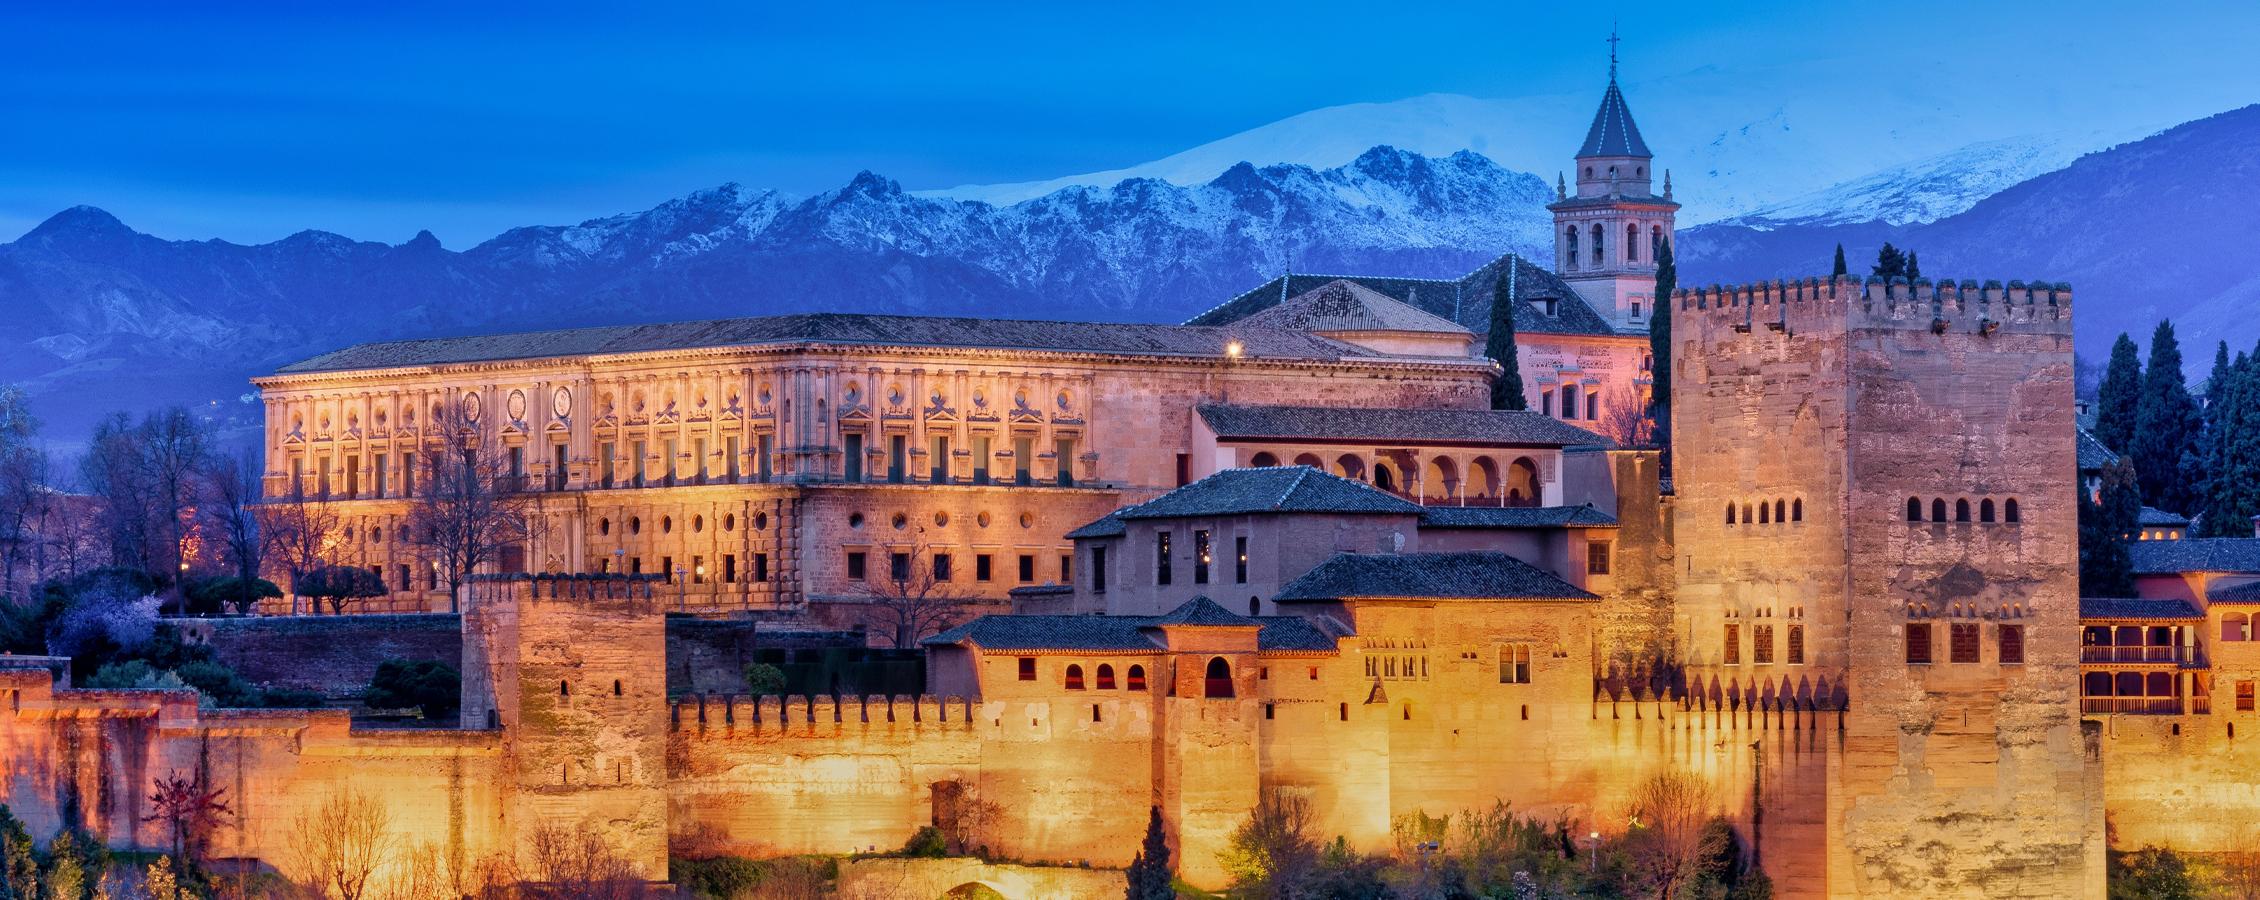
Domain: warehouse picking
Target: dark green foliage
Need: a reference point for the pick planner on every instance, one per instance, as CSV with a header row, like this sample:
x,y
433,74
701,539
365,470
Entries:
x,y
433,687
1914,267
1148,874
226,593
1889,263
1839,268
763,679
927,843
1659,343
1721,872
2120,397
19,862
338,584
75,863
2166,428
221,684
2106,527
132,675
2152,873
1345,874
290,698
720,878
2232,446
1506,392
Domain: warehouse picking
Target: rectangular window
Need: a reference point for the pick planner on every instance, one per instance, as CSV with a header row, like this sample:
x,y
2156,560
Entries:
x,y
672,462
729,568
1761,644
1027,668
1027,568
667,569
1546,402
854,457
606,463
298,476
1200,556
322,474
407,474
1184,469
1597,557
639,452
1162,571
898,566
698,570
730,465
1796,645
765,447
353,475
983,567
1962,641
558,470
981,459
2012,645
1733,654
698,459
855,569
1098,570
1023,458
897,458
517,468
761,567
1067,568
1063,458
941,567
403,581
939,454
377,468
635,565
1918,643
431,578
1514,663
1240,559
1593,405
2244,696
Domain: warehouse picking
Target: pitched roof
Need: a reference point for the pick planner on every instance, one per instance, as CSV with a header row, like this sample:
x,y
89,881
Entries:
x,y
2136,608
1613,132
1345,305
2248,592
1465,300
2092,454
1131,633
841,328
1109,525
1272,489
1514,517
2154,516
1478,575
2195,555
1522,428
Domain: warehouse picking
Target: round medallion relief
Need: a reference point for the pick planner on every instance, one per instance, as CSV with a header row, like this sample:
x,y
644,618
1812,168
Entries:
x,y
471,406
562,402
517,405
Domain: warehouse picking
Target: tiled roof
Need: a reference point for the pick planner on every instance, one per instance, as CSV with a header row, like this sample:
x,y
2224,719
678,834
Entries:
x,y
1465,300
1344,305
2154,516
1109,525
1613,132
2136,608
1462,576
2093,455
841,328
1513,517
1396,426
2248,592
2195,555
1272,489
1129,633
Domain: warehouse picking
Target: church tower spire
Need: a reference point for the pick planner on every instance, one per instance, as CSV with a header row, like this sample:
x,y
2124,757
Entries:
x,y
1608,230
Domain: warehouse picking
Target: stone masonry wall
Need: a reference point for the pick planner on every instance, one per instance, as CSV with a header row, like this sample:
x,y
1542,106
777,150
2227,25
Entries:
x,y
332,655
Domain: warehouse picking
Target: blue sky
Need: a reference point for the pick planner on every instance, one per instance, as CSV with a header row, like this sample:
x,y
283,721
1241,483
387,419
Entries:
x,y
249,122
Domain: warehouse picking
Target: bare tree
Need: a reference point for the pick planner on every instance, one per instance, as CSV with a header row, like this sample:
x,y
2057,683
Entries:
x,y
1625,419
232,509
112,472
576,864
23,486
916,594
189,810
174,448
300,532
1669,811
146,478
469,511
342,843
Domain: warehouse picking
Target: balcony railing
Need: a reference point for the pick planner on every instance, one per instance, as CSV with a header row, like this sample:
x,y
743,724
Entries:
x,y
2139,654
2137,706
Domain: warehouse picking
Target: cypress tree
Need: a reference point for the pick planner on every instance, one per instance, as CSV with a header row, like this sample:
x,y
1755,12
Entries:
x,y
1659,343
2120,396
2166,427
1506,392
1149,871
2232,448
2105,530
1889,263
1914,268
1839,268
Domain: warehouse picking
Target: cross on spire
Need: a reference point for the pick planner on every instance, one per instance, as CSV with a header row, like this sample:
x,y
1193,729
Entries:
x,y
1612,50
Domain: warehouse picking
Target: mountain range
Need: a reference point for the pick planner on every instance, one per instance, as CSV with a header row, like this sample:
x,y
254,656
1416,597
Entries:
x,y
106,318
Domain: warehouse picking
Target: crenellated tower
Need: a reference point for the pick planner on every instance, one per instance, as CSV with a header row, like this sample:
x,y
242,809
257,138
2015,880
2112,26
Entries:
x,y
1608,233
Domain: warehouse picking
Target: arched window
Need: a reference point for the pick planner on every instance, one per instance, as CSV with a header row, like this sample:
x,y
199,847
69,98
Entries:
x,y
1218,681
1797,510
615,687
2236,627
1136,679
1599,253
1443,481
1746,517
1255,606
1349,466
1631,243
1985,510
1311,460
1765,514
1780,510
1522,483
2009,510
1342,710
1383,478
1106,677
1962,510
564,689
1937,510
1569,402
1656,243
1074,678
1486,478
1730,514
1263,460
1570,236
1914,509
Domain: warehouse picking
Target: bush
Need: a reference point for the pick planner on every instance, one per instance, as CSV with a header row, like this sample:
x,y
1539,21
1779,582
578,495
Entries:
x,y
720,878
208,596
220,684
432,687
928,843
338,584
133,675
2152,873
763,678
289,698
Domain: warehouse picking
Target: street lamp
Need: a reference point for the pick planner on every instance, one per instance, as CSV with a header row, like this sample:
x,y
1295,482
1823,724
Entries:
x,y
1593,856
682,587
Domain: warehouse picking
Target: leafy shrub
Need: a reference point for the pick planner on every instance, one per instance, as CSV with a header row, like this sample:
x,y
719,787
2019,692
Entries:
x,y
433,687
763,678
134,675
338,584
289,698
102,623
212,595
220,684
720,878
928,843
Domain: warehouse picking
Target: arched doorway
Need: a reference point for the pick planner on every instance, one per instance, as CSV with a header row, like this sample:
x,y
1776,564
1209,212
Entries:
x,y
1217,681
1443,482
1483,475
1522,483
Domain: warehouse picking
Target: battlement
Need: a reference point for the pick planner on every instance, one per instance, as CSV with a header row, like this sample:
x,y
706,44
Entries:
x,y
1944,306
704,712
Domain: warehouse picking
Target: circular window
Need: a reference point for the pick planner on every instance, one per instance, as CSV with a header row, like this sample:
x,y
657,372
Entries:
x,y
635,524
729,522
698,524
761,521
855,520
1027,520
900,521
981,520
604,526
941,519
666,524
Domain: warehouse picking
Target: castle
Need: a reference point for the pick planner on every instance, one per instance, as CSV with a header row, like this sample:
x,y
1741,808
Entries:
x,y
1286,546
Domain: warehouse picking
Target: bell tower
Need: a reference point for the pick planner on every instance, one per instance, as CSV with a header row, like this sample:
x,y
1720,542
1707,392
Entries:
x,y
1608,232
